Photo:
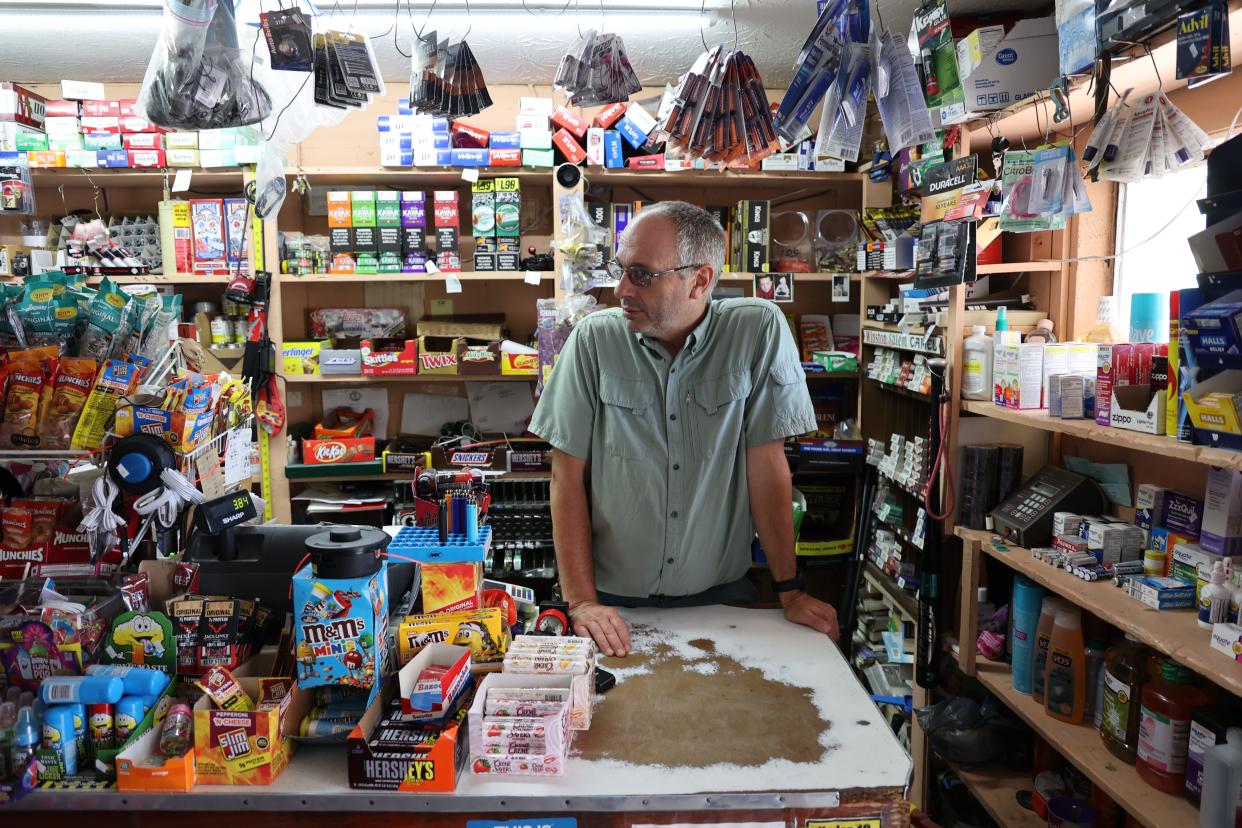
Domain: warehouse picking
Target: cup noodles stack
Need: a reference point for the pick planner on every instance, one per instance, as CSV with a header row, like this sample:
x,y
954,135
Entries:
x,y
570,656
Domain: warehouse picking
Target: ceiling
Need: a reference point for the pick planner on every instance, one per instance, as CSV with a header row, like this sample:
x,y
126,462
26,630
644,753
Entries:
x,y
112,40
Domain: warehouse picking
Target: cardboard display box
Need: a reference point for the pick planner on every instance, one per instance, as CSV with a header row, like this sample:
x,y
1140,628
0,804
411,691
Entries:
x,y
1026,61
478,357
338,450
438,354
1138,408
247,747
140,767
478,326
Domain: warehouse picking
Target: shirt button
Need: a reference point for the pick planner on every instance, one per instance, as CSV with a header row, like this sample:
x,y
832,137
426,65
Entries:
x,y
676,467
670,560
672,416
674,514
672,370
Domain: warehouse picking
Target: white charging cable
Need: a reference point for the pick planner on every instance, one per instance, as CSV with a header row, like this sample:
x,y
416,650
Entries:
x,y
167,503
101,523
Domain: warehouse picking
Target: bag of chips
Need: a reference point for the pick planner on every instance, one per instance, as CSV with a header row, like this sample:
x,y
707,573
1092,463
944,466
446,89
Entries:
x,y
71,387
106,323
20,427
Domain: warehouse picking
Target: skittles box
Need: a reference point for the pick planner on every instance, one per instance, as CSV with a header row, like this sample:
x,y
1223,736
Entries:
x,y
339,628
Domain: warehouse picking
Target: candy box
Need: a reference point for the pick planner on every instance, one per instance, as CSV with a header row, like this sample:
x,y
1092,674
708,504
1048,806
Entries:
x,y
301,357
338,450
427,699
438,354
483,631
247,747
340,628
550,763
390,357
449,587
141,767
430,759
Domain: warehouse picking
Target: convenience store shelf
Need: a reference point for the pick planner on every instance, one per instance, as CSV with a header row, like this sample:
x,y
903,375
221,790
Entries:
x,y
798,277
362,279
179,279
1082,746
133,177
996,791
360,378
897,389
1175,633
1090,430
905,602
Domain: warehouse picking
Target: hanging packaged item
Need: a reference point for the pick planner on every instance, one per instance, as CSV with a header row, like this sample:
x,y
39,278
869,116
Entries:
x,y
1018,188
1141,138
937,62
719,111
815,69
903,110
346,73
1203,44
445,78
198,76
596,71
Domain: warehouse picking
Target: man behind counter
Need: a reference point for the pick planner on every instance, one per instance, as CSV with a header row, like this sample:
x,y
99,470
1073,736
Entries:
x,y
668,417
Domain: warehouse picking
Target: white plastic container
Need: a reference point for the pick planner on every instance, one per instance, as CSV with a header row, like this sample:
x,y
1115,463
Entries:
x,y
1214,598
977,353
1222,781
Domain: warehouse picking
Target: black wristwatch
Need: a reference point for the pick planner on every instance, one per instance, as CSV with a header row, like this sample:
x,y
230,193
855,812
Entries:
x,y
794,583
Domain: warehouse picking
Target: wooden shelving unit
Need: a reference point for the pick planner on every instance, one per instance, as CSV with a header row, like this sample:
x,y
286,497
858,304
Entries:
x,y
997,792
1018,267
1174,633
1082,746
1090,430
361,279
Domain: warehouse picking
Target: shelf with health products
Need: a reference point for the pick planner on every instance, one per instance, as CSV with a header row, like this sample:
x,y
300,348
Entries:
x,y
541,277
905,602
1090,430
1174,633
997,791
1083,747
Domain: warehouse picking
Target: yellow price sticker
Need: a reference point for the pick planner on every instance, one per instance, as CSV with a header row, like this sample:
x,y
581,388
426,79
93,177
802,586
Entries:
x,y
868,822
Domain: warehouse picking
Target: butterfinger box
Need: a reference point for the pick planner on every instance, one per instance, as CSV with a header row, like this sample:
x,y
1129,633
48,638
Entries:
x,y
247,747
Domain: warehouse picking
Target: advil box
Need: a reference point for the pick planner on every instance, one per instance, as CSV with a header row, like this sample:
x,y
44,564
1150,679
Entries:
x,y
247,747
389,753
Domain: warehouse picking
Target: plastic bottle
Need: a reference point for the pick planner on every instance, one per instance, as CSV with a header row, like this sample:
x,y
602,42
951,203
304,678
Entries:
x,y
59,735
1214,598
138,681
1222,781
81,690
129,715
25,740
1164,727
1066,684
1042,333
1039,653
1028,599
978,350
1125,674
1105,328
1094,653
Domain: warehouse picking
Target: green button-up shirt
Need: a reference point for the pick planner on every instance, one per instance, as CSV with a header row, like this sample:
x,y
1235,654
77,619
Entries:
x,y
667,439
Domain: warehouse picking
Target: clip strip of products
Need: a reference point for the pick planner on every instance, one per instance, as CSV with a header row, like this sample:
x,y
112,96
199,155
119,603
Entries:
x,y
445,78
597,71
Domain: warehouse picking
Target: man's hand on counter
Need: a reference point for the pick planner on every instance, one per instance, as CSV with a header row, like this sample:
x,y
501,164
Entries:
x,y
605,626
801,608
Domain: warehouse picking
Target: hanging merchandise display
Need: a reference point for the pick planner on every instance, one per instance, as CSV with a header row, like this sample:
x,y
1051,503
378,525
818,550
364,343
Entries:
x,y
445,78
720,111
937,62
1018,214
815,68
596,71
903,110
1143,138
198,76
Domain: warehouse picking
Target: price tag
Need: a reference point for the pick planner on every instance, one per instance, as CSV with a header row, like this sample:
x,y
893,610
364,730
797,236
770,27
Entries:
x,y
432,267
470,174
210,475
451,283
532,277
237,456
181,181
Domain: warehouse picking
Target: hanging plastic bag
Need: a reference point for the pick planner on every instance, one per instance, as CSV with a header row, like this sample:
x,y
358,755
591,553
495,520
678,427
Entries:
x,y
198,76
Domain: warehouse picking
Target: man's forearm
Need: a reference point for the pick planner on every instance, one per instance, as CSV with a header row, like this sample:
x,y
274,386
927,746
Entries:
x,y
571,529
771,506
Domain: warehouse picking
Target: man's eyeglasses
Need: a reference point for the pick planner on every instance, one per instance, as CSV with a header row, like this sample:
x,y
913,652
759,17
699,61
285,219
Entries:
x,y
640,276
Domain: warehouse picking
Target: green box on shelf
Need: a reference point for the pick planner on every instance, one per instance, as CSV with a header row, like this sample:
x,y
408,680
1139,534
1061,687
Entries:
x,y
388,208
306,471
362,203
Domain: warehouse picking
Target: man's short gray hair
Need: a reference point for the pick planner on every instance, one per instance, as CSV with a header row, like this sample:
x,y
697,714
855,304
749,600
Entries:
x,y
700,238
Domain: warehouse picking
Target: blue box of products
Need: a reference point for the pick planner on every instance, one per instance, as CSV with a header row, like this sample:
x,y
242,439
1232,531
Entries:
x,y
1216,328
634,136
113,158
101,141
470,157
444,157
613,157
403,107
505,140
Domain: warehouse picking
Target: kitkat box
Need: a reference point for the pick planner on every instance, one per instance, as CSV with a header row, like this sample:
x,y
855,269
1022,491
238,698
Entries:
x,y
247,747
338,450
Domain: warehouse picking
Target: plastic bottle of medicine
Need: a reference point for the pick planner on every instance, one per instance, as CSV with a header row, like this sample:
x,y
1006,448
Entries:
x,y
1164,727
1125,674
1214,598
1066,684
1095,652
1222,783
1039,653
977,354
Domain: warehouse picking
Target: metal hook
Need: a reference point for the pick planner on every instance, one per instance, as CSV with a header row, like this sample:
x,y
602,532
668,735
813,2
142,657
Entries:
x,y
428,18
702,14
1155,68
733,14
578,17
469,22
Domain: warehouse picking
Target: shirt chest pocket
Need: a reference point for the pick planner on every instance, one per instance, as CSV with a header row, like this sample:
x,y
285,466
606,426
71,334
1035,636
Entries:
x,y
629,417
719,412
